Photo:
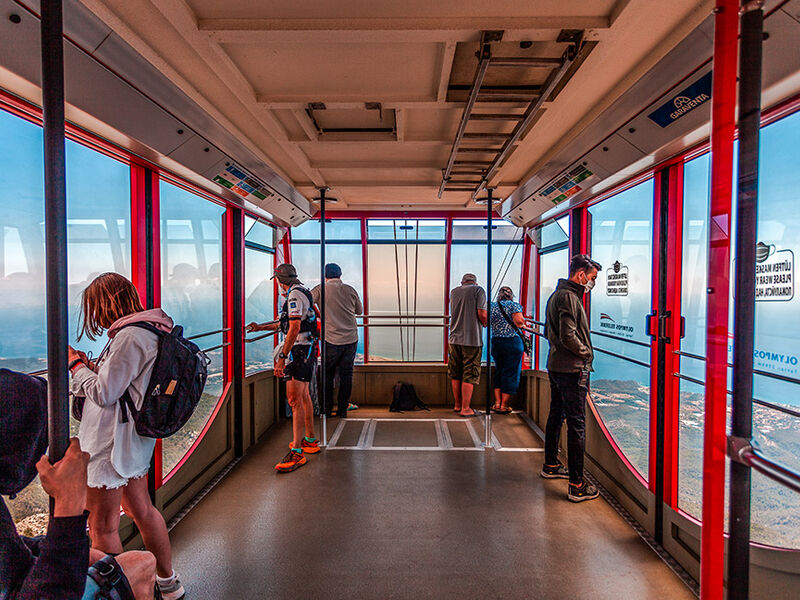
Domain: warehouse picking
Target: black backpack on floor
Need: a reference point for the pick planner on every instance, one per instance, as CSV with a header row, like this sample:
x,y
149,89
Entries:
x,y
176,385
405,398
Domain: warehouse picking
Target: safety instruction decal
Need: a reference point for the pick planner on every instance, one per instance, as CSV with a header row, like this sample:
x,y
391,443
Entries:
x,y
243,184
566,185
617,280
774,274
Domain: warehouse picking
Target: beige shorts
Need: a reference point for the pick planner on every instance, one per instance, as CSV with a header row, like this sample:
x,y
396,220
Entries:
x,y
464,363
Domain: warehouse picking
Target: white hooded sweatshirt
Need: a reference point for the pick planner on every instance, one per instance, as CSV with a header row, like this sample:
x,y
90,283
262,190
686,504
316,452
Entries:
x,y
126,365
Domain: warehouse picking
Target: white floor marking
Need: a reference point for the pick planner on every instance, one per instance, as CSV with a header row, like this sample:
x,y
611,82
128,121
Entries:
x,y
444,439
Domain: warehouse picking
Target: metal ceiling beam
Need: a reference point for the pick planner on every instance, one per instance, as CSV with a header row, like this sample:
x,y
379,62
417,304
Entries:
x,y
569,57
485,136
524,61
495,117
484,55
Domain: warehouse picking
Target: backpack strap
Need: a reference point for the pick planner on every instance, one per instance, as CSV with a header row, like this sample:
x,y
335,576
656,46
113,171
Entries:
x,y
126,402
510,321
146,326
110,580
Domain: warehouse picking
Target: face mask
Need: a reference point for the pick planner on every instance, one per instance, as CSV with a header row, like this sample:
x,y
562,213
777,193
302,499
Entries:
x,y
589,285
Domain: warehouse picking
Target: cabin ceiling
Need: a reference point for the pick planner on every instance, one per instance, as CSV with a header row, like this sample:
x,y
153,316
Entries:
x,y
366,96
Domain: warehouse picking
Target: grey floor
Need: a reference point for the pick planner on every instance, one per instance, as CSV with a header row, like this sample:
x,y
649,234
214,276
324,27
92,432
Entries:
x,y
411,524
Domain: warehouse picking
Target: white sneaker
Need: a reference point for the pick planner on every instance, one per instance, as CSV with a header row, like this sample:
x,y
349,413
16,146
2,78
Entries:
x,y
170,587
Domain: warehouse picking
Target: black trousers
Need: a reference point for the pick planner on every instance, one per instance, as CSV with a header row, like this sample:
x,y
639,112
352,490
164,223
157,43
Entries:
x,y
341,358
567,401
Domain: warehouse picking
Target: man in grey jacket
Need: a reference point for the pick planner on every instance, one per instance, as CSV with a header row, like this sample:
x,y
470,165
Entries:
x,y
568,365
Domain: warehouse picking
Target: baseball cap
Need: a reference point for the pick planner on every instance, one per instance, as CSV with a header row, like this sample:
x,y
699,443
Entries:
x,y
285,272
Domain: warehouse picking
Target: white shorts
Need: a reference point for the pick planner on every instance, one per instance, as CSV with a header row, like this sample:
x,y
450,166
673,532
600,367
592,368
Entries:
x,y
102,474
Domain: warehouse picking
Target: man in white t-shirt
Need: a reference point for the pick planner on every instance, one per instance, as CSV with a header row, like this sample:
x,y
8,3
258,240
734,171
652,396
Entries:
x,y
298,323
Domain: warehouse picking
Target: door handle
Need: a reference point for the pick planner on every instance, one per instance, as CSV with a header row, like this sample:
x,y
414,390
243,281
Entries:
x,y
648,320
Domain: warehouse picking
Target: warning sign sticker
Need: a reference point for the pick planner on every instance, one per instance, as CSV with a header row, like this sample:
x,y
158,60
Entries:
x,y
239,182
774,274
617,280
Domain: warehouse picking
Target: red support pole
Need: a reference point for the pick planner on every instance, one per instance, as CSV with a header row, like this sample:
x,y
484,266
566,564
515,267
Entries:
x,y
364,273
723,126
537,308
527,244
674,332
145,241
447,254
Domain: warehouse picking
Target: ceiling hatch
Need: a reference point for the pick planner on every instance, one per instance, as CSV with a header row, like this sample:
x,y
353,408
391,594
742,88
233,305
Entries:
x,y
372,122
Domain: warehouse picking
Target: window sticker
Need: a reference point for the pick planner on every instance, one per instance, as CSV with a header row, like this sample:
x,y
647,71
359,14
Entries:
x,y
617,280
774,273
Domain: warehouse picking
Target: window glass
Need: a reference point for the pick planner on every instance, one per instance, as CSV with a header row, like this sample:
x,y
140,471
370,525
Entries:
x,y
475,229
305,258
506,265
98,223
259,295
552,266
621,241
556,232
191,293
335,229
258,233
775,509
406,279
406,230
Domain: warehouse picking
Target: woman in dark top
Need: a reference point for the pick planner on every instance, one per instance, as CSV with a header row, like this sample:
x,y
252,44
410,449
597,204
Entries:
x,y
507,348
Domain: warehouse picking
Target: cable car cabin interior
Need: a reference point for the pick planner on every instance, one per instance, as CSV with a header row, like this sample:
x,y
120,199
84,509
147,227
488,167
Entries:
x,y
193,146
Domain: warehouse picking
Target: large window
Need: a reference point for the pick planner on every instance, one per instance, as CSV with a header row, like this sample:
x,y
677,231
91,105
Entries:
x,y
259,292
468,253
191,293
98,225
342,246
775,509
622,242
552,242
406,275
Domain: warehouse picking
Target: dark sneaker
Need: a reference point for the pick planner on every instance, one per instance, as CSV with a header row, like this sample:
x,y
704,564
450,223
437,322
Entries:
x,y
293,460
584,491
558,471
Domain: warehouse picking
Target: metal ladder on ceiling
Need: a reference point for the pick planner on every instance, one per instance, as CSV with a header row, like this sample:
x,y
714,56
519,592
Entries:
x,y
465,174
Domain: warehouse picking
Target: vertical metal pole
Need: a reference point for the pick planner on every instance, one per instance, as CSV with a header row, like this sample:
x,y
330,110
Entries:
x,y
236,265
154,474
489,390
750,50
723,99
662,208
55,223
323,353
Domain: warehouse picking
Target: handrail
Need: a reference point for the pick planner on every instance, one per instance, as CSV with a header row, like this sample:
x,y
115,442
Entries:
x,y
201,335
215,347
621,339
623,357
402,316
763,403
259,337
753,458
760,372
